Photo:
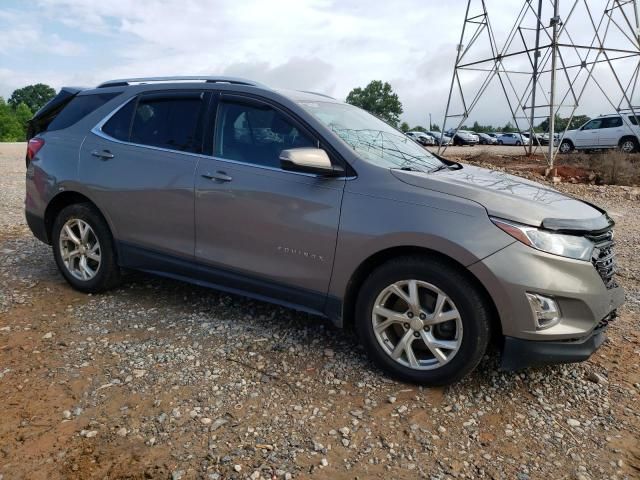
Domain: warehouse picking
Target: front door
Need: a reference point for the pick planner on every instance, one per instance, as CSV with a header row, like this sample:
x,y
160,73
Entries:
x,y
139,167
589,133
274,228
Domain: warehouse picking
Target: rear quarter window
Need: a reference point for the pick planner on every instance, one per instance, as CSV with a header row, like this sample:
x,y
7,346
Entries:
x,y
78,108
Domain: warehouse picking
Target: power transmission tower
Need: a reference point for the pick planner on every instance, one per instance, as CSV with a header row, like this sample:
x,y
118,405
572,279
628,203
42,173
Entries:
x,y
549,58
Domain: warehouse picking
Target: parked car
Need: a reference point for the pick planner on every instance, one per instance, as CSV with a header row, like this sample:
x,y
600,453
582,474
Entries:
x,y
513,139
486,139
438,136
422,138
299,199
544,138
607,131
463,137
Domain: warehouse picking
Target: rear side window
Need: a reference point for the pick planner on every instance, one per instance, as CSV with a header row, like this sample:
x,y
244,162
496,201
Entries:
x,y
78,108
611,122
633,120
171,121
119,125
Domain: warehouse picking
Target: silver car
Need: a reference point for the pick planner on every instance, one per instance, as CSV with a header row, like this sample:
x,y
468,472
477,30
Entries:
x,y
302,200
512,139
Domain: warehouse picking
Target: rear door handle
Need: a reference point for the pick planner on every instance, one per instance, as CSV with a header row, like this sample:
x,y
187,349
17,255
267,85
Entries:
x,y
104,154
219,176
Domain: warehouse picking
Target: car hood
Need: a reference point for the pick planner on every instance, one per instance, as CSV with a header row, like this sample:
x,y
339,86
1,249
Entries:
x,y
512,198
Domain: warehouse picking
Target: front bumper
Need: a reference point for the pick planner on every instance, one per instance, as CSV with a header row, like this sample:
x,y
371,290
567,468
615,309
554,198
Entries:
x,y
518,353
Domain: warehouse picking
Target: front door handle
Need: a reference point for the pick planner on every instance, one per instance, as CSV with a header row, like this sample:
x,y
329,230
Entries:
x,y
219,176
104,154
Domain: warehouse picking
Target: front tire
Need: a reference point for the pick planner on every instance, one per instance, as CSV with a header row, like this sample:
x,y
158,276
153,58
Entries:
x,y
566,147
422,321
84,250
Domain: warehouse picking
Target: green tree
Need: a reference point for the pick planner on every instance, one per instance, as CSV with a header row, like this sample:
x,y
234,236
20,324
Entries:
x,y
34,96
561,123
435,128
377,98
419,128
10,128
23,114
508,128
404,126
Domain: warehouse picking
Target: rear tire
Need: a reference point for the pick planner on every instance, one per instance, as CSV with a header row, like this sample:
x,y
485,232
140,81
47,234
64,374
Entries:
x,y
84,250
500,142
445,343
628,145
518,143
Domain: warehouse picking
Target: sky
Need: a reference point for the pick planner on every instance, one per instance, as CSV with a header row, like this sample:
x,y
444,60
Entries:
x,y
328,46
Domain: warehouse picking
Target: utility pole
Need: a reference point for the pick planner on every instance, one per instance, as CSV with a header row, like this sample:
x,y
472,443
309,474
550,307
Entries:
x,y
555,21
431,124
534,79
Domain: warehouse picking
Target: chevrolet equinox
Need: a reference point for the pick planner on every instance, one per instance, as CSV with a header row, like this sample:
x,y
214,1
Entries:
x,y
301,200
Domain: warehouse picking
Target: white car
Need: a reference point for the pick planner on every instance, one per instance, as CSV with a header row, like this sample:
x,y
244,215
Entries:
x,y
512,139
421,137
607,131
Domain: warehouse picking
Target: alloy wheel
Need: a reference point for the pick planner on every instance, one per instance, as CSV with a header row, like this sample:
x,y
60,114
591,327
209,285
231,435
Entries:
x,y
417,324
80,249
628,146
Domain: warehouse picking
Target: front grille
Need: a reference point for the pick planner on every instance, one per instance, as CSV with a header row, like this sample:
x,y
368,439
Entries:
x,y
604,258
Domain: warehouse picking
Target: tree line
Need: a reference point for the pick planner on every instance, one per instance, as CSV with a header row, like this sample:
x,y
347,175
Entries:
x,y
18,110
377,98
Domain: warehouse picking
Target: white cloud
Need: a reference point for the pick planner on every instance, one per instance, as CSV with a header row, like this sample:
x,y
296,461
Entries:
x,y
323,45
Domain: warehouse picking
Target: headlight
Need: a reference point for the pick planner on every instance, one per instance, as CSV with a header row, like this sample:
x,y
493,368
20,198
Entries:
x,y
571,246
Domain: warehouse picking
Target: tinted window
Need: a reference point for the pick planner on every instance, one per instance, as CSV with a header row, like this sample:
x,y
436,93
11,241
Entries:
x,y
119,126
168,122
611,122
593,124
633,120
255,135
78,108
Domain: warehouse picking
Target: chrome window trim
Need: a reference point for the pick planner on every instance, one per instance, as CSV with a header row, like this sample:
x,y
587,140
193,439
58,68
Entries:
x,y
97,130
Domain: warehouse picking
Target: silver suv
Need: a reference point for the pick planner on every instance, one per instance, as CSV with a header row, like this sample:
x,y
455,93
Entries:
x,y
608,131
301,200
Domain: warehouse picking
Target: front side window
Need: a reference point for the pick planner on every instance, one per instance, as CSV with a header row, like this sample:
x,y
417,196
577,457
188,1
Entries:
x,y
255,134
171,121
593,124
371,138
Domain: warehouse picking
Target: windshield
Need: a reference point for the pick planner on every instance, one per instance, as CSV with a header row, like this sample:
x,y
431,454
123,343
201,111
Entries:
x,y
373,140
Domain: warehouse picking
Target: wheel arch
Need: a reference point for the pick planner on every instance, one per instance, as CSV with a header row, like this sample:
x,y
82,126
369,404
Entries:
x,y
631,137
369,264
62,200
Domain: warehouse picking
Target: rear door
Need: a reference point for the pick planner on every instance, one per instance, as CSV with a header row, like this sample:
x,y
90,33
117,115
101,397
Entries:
x,y
611,131
588,135
139,165
275,228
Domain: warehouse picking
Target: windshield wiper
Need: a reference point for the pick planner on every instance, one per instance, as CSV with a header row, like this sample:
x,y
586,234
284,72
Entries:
x,y
441,167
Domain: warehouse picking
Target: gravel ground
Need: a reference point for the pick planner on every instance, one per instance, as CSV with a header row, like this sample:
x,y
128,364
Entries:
x,y
160,379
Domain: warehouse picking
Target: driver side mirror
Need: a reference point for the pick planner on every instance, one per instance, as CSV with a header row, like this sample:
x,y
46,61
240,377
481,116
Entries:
x,y
309,160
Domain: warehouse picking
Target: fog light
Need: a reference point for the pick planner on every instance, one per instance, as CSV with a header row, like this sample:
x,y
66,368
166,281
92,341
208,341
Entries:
x,y
545,310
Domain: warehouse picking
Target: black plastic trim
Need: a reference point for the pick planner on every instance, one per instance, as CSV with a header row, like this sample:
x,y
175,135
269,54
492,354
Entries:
x,y
518,353
189,270
37,226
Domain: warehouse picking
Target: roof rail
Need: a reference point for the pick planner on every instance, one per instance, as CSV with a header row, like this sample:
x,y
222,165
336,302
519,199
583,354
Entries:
x,y
317,93
192,78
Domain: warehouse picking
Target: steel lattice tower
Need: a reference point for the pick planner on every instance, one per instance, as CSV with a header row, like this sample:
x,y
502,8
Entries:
x,y
548,61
